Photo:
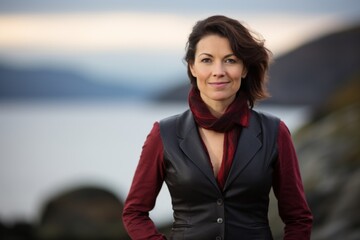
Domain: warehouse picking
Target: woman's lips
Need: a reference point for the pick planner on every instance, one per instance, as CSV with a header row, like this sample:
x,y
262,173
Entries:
x,y
218,84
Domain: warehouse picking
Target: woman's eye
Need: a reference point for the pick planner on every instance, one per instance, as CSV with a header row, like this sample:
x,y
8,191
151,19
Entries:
x,y
206,60
230,60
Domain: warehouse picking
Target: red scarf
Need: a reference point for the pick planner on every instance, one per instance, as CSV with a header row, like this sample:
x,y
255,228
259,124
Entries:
x,y
231,122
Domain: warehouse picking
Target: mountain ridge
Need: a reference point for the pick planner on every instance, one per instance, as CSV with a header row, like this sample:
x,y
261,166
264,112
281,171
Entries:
x,y
47,83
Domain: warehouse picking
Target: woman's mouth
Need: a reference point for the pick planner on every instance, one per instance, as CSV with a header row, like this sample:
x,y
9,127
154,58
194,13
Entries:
x,y
218,84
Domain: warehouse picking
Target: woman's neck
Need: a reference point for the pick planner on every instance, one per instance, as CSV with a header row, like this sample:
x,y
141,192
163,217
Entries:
x,y
217,108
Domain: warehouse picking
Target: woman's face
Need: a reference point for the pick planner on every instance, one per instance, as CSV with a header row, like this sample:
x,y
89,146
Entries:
x,y
217,70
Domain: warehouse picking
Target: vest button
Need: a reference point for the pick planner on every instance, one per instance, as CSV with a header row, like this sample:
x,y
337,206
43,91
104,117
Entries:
x,y
218,238
219,220
219,202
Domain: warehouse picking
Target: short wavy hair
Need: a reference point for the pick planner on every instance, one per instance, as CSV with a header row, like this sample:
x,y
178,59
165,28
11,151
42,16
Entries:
x,y
244,44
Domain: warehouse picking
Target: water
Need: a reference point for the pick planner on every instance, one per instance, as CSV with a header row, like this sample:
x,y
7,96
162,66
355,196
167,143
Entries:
x,y
46,148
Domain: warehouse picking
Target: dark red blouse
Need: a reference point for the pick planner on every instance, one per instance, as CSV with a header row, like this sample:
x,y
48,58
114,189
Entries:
x,y
149,177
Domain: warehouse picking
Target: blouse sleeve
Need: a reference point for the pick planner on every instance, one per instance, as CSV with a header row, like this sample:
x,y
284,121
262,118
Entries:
x,y
288,189
146,184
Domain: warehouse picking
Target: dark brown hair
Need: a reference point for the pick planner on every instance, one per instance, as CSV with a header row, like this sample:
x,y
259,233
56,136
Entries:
x,y
245,47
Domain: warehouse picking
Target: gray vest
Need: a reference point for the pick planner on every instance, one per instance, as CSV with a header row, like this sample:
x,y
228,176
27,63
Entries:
x,y
201,209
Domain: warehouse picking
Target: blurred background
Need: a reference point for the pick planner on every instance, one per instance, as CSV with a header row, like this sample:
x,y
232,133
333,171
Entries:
x,y
82,82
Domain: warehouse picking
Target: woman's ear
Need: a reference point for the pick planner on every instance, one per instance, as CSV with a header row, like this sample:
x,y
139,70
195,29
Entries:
x,y
244,73
192,69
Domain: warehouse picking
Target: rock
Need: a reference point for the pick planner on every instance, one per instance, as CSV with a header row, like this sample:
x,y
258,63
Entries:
x,y
82,213
329,155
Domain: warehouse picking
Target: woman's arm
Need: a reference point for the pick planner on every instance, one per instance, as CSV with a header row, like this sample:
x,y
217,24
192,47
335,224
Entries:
x,y
289,190
147,182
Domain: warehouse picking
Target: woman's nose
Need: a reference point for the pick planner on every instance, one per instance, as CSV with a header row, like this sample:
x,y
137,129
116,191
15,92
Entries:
x,y
218,70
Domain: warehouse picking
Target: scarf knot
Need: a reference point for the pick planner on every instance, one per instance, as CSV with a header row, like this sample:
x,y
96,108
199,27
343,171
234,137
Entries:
x,y
237,113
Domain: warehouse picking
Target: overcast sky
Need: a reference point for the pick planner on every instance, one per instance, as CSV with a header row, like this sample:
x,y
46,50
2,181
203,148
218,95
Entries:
x,y
317,6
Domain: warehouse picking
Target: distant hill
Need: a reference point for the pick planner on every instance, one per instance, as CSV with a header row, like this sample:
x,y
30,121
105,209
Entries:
x,y
44,83
311,73
307,75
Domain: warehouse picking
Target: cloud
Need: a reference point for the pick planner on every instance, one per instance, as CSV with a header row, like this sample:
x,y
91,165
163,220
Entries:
x,y
93,31
118,31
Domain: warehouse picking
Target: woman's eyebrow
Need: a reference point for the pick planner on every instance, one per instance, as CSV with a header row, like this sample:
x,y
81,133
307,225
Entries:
x,y
229,55
209,55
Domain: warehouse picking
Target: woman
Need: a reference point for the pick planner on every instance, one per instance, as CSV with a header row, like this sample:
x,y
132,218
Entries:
x,y
220,158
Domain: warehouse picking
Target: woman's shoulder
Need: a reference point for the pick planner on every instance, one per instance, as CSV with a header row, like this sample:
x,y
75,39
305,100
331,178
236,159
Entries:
x,y
174,119
175,116
272,120
179,124
265,115
265,119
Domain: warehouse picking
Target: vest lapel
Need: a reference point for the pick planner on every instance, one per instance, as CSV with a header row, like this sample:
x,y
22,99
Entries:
x,y
191,145
248,145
